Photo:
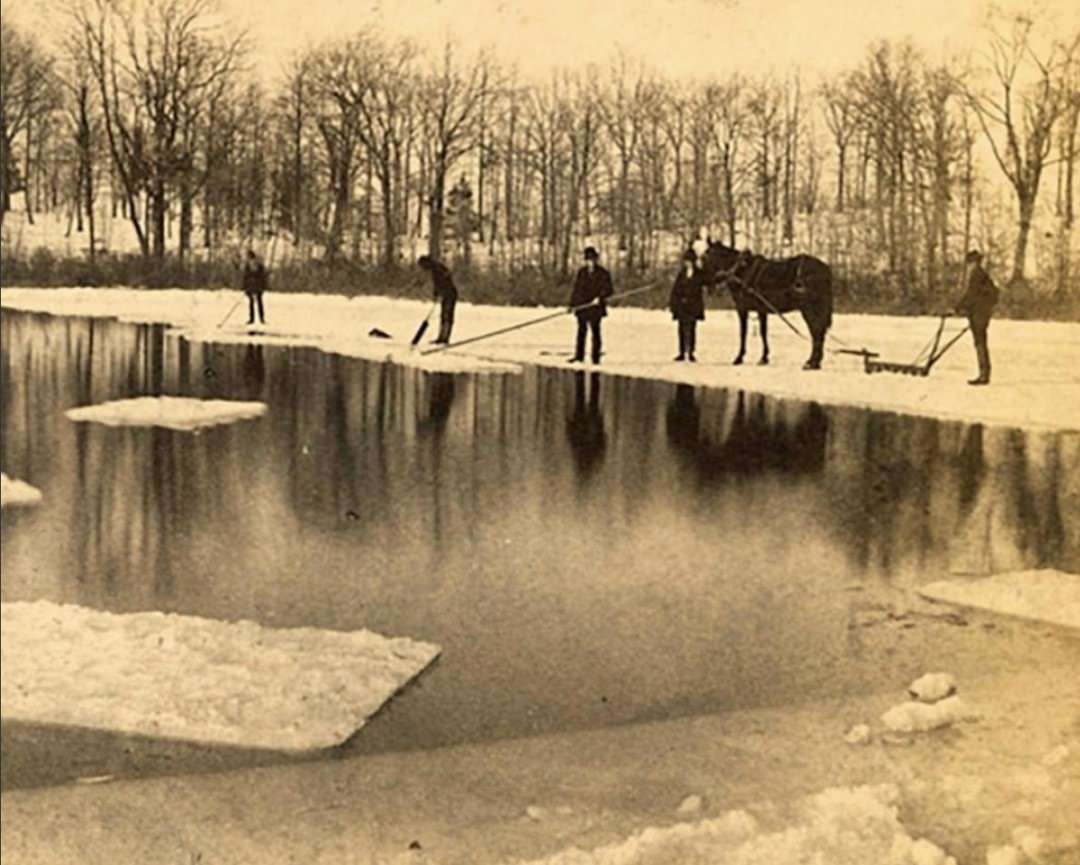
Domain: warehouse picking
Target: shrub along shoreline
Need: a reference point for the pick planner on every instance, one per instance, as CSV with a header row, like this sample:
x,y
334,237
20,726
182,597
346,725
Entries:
x,y
524,287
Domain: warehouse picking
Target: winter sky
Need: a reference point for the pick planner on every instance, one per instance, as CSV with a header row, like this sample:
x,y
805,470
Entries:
x,y
682,38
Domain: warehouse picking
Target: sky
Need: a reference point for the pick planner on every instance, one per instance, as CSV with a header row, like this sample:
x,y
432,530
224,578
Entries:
x,y
683,39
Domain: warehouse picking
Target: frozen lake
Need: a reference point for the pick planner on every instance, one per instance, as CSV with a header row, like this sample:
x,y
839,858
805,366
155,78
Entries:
x,y
587,550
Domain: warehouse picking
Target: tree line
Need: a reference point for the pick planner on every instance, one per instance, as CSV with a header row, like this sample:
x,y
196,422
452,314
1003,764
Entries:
x,y
362,150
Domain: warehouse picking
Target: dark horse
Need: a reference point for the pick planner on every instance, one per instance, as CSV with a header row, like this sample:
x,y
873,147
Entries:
x,y
764,285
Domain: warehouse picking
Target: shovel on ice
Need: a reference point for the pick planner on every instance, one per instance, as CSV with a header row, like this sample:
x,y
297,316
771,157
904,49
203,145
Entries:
x,y
420,331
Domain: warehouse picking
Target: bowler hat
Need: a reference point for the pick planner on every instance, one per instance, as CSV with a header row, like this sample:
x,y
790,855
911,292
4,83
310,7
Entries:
x,y
973,255
590,252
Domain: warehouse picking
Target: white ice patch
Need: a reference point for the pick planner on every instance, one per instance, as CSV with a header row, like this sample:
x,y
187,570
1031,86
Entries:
x,y
932,687
1046,596
195,679
179,413
839,826
915,717
17,494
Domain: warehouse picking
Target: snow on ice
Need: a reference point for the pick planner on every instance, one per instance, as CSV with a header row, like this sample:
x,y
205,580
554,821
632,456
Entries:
x,y
841,826
184,677
1047,595
915,717
1036,383
932,687
179,413
16,493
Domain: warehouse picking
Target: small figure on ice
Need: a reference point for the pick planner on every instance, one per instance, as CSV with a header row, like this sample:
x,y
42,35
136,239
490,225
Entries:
x,y
687,304
592,286
444,291
978,305
255,283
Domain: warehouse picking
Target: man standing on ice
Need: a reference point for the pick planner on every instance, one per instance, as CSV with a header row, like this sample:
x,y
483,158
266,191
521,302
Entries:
x,y
978,305
255,283
445,291
592,286
687,304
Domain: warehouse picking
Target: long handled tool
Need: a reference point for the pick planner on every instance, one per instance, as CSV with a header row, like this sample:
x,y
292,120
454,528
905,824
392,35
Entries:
x,y
540,320
228,315
420,331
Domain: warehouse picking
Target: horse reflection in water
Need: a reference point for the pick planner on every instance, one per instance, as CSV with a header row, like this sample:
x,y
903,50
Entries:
x,y
585,431
747,436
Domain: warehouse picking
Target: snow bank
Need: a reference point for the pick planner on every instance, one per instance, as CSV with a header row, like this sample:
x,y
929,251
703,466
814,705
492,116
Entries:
x,y
16,494
839,826
1046,596
179,413
1036,384
184,677
915,717
932,687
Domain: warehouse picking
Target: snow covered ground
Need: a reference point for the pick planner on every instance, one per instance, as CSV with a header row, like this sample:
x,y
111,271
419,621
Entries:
x,y
1045,596
1036,364
195,679
16,493
179,413
838,826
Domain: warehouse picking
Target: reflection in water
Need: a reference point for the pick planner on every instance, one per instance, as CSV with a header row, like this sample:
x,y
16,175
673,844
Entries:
x,y
585,426
561,534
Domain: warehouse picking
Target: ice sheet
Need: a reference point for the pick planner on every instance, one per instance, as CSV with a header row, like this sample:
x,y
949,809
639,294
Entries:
x,y
196,679
1046,595
16,493
179,413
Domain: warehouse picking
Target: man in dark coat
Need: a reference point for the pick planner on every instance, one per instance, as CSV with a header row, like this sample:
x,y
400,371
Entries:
x,y
255,283
445,291
592,286
978,305
687,304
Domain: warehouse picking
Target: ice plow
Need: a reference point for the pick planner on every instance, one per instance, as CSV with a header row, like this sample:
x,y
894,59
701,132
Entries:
x,y
931,353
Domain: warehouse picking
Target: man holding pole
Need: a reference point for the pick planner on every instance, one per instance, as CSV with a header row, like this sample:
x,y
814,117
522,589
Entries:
x,y
592,286
255,283
445,292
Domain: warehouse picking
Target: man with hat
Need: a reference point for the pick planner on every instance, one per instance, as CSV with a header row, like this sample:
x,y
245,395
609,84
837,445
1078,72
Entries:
x,y
592,286
687,304
978,305
255,282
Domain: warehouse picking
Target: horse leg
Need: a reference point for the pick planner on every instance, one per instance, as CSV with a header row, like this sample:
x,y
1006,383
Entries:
x,y
817,328
763,323
744,314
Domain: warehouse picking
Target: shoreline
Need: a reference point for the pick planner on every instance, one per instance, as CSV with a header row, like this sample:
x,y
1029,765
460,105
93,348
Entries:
x,y
1036,382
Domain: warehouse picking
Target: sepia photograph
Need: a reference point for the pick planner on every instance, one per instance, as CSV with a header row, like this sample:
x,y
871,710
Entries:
x,y
539,432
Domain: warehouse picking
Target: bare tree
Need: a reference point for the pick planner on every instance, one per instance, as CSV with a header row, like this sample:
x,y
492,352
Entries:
x,y
451,98
841,116
26,93
1018,118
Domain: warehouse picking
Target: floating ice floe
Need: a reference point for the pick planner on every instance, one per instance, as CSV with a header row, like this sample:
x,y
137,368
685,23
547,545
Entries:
x,y
1048,596
16,493
189,678
915,717
179,413
858,735
932,687
838,825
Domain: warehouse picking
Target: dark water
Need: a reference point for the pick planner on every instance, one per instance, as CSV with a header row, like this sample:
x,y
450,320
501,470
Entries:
x,y
587,550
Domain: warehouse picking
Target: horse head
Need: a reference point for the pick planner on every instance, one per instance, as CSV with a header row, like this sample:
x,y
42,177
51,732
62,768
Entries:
x,y
720,262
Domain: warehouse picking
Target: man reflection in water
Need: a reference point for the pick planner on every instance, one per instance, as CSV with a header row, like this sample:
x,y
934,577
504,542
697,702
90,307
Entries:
x,y
254,369
585,426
